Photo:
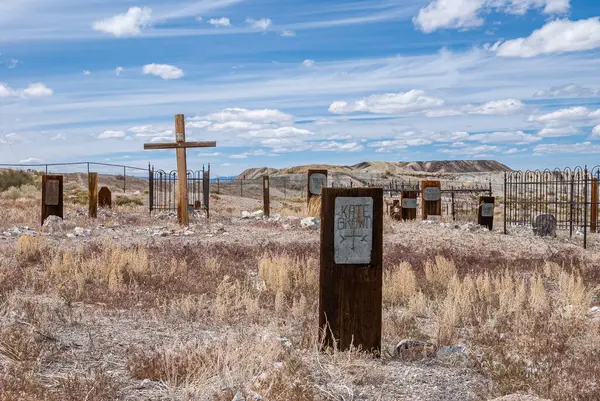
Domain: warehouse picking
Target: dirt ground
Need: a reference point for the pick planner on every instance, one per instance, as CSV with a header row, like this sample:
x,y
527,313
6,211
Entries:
x,y
131,306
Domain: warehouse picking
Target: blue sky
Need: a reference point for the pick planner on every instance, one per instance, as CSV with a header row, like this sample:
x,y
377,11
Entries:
x,y
279,83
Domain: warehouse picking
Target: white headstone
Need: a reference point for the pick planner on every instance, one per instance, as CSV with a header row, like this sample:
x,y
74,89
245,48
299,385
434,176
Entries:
x,y
353,230
409,203
432,194
317,182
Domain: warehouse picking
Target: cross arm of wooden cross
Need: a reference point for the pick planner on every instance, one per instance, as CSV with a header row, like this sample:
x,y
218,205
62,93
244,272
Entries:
x,y
179,145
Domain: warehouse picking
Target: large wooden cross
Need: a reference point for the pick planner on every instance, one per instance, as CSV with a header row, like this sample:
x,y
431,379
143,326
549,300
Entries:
x,y
181,145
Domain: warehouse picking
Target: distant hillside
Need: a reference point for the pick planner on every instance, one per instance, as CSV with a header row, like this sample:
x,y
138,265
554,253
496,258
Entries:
x,y
390,168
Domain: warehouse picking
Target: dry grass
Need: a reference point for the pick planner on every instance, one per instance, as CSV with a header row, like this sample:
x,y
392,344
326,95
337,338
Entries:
x,y
314,207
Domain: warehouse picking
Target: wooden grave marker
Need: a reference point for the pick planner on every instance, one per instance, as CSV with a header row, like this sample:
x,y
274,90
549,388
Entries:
x,y
396,210
105,197
317,180
350,279
181,145
266,196
52,196
93,195
431,199
409,205
485,213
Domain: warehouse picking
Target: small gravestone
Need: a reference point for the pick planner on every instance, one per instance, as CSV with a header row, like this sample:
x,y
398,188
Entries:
x,y
485,216
317,180
409,205
104,197
544,225
52,196
431,199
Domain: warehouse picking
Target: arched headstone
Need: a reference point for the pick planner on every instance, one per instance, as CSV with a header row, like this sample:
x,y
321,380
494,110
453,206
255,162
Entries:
x,y
104,197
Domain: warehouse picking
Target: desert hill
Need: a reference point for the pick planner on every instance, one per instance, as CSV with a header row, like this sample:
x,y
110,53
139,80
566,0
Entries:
x,y
390,169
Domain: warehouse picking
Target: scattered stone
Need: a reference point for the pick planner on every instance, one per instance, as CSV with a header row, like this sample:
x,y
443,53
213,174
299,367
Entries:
x,y
275,218
246,215
82,232
414,349
544,225
311,222
18,231
259,214
285,342
53,225
70,235
459,350
239,397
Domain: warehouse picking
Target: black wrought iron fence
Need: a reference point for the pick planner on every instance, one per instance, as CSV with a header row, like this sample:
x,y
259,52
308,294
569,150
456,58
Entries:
x,y
570,195
164,189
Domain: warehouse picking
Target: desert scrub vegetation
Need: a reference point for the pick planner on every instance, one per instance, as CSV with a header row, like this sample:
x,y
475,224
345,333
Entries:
x,y
123,200
15,178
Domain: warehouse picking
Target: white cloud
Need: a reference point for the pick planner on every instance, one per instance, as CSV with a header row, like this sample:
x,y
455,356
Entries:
x,y
37,90
556,36
332,146
198,124
388,103
237,114
6,91
554,132
475,150
59,137
128,24
308,63
497,107
164,71
13,63
262,23
569,114
281,132
595,132
234,126
30,160
569,90
512,151
506,137
444,113
288,33
208,154
14,138
220,21
119,70
86,73
465,14
111,134
240,156
559,148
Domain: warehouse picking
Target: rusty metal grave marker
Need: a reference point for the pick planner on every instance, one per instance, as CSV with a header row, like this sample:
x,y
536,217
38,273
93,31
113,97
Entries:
x,y
266,199
431,199
485,214
93,195
105,197
52,196
350,280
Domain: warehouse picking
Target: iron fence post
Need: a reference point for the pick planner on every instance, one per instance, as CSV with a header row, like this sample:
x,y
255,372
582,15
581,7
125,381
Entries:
x,y
585,206
505,200
571,205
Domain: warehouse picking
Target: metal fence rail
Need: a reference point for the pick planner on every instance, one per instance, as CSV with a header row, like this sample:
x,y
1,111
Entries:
x,y
570,195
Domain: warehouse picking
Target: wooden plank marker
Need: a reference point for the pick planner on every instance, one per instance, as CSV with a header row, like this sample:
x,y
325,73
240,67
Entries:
x,y
396,210
409,205
350,280
105,197
317,180
431,199
594,207
93,195
181,145
485,214
266,198
52,196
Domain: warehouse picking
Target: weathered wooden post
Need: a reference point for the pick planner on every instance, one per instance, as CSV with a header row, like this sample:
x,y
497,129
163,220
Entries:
x,y
93,195
409,205
105,197
266,199
485,213
431,199
594,206
317,180
350,281
52,196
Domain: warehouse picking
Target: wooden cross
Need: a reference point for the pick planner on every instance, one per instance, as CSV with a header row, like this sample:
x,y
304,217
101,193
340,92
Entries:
x,y
181,145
